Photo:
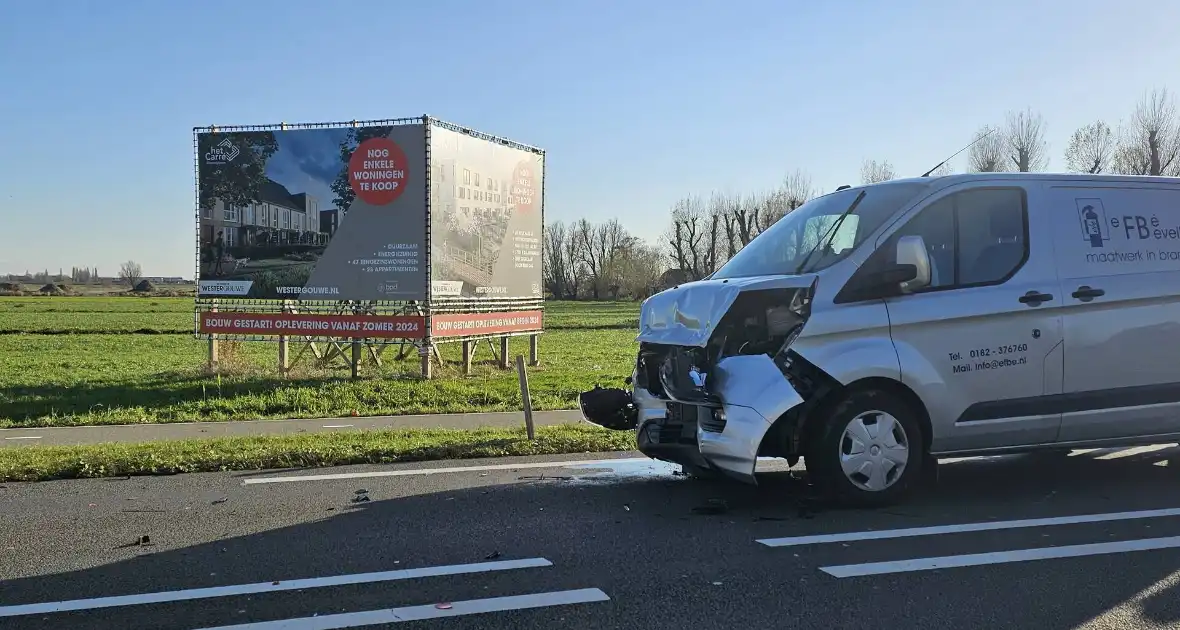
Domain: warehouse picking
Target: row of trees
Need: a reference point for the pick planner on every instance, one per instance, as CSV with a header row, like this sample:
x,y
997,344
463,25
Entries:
x,y
604,261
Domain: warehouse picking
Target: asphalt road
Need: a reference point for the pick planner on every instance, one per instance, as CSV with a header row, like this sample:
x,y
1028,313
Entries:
x,y
626,539
12,438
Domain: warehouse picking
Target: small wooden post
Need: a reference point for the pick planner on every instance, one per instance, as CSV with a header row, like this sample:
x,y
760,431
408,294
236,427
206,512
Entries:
x,y
525,397
467,357
504,352
356,358
424,353
534,354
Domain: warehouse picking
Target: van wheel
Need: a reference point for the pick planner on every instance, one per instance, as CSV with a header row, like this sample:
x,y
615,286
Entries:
x,y
869,451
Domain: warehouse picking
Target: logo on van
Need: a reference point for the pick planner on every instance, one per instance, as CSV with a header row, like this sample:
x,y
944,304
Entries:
x,y
1092,215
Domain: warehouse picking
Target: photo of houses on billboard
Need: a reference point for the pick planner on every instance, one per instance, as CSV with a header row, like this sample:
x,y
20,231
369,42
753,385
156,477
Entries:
x,y
485,218
270,204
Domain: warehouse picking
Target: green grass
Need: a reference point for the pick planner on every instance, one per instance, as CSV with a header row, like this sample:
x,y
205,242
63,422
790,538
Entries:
x,y
111,377
40,463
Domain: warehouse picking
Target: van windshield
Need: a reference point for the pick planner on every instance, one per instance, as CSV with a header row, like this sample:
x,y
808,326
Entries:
x,y
782,248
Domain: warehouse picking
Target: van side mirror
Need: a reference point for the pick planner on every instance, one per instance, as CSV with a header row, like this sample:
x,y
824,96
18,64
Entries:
x,y
884,279
912,254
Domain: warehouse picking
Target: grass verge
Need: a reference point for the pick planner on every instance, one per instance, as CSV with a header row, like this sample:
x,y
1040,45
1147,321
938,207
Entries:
x,y
308,450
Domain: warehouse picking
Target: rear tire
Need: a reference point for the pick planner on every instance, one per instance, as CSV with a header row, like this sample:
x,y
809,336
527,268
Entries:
x,y
869,451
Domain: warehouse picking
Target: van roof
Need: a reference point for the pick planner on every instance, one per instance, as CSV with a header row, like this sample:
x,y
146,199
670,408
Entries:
x,y
1070,177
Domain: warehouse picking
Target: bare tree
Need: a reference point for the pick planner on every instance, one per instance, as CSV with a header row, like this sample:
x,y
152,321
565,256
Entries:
x,y
872,171
1150,143
688,237
130,273
555,266
575,268
987,155
599,246
1024,133
1090,148
796,189
745,217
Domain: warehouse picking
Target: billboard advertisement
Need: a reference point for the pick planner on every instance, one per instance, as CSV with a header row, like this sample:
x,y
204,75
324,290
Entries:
x,y
485,217
316,213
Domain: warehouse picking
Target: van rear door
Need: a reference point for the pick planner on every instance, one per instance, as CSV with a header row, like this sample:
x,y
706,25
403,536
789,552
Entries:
x,y
1118,257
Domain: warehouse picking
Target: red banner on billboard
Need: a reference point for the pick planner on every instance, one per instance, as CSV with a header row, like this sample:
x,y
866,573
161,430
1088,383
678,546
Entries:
x,y
314,325
465,324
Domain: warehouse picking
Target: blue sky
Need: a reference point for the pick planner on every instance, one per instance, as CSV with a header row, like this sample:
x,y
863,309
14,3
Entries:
x,y
637,103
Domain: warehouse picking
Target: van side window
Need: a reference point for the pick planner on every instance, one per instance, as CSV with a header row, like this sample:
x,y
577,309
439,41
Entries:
x,y
975,237
991,234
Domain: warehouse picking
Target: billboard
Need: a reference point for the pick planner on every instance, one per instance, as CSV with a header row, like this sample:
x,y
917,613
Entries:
x,y
317,213
485,217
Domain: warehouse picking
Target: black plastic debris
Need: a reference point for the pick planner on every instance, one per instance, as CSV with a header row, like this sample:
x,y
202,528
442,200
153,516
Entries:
x,y
609,407
492,556
220,501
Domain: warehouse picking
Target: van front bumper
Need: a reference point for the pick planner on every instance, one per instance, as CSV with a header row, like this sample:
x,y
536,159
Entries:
x,y
753,394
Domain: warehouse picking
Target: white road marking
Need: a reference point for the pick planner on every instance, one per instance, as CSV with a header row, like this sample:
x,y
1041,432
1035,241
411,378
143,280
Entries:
x,y
338,426
25,437
429,611
1000,557
409,472
268,587
966,527
1138,450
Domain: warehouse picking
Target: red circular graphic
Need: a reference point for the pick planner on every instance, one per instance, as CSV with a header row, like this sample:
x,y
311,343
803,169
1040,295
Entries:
x,y
525,186
377,171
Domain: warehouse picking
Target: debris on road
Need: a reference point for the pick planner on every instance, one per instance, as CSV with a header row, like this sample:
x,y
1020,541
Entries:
x,y
142,541
220,501
492,556
362,495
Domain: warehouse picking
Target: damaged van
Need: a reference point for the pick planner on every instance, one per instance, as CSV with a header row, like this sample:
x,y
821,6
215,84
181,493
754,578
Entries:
x,y
874,329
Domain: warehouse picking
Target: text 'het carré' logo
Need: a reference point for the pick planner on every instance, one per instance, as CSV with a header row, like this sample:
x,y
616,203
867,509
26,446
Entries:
x,y
377,171
223,153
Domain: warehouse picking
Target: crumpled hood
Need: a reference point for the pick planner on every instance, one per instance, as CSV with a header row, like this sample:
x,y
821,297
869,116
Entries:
x,y
687,314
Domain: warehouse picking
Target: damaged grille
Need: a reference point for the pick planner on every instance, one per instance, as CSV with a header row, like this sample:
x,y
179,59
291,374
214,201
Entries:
x,y
712,420
678,425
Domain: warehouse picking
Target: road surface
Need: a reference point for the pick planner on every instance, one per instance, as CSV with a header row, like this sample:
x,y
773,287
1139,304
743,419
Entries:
x,y
178,431
622,543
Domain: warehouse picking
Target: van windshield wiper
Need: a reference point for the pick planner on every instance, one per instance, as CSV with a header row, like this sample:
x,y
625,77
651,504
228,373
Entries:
x,y
828,236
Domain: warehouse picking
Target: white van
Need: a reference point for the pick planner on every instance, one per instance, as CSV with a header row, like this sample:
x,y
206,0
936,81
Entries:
x,y
875,328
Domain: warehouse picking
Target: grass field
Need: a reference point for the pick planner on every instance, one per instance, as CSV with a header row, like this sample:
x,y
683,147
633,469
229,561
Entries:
x,y
41,463
112,360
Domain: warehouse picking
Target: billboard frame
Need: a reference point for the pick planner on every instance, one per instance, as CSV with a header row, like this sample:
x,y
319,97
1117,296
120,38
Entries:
x,y
366,310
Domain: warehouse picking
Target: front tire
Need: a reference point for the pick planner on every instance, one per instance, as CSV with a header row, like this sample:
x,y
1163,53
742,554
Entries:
x,y
869,451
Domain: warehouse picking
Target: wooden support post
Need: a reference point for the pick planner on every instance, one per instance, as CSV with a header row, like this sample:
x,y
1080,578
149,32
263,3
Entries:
x,y
468,351
214,360
504,353
284,356
525,397
356,358
534,354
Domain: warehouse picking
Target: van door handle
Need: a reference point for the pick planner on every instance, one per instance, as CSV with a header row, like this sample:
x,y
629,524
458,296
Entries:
x,y
1034,298
1085,293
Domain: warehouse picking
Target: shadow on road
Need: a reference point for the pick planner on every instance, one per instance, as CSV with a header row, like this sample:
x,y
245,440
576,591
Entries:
x,y
637,527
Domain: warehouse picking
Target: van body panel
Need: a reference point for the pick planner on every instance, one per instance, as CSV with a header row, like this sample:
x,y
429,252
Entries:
x,y
965,350
766,395
1122,347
